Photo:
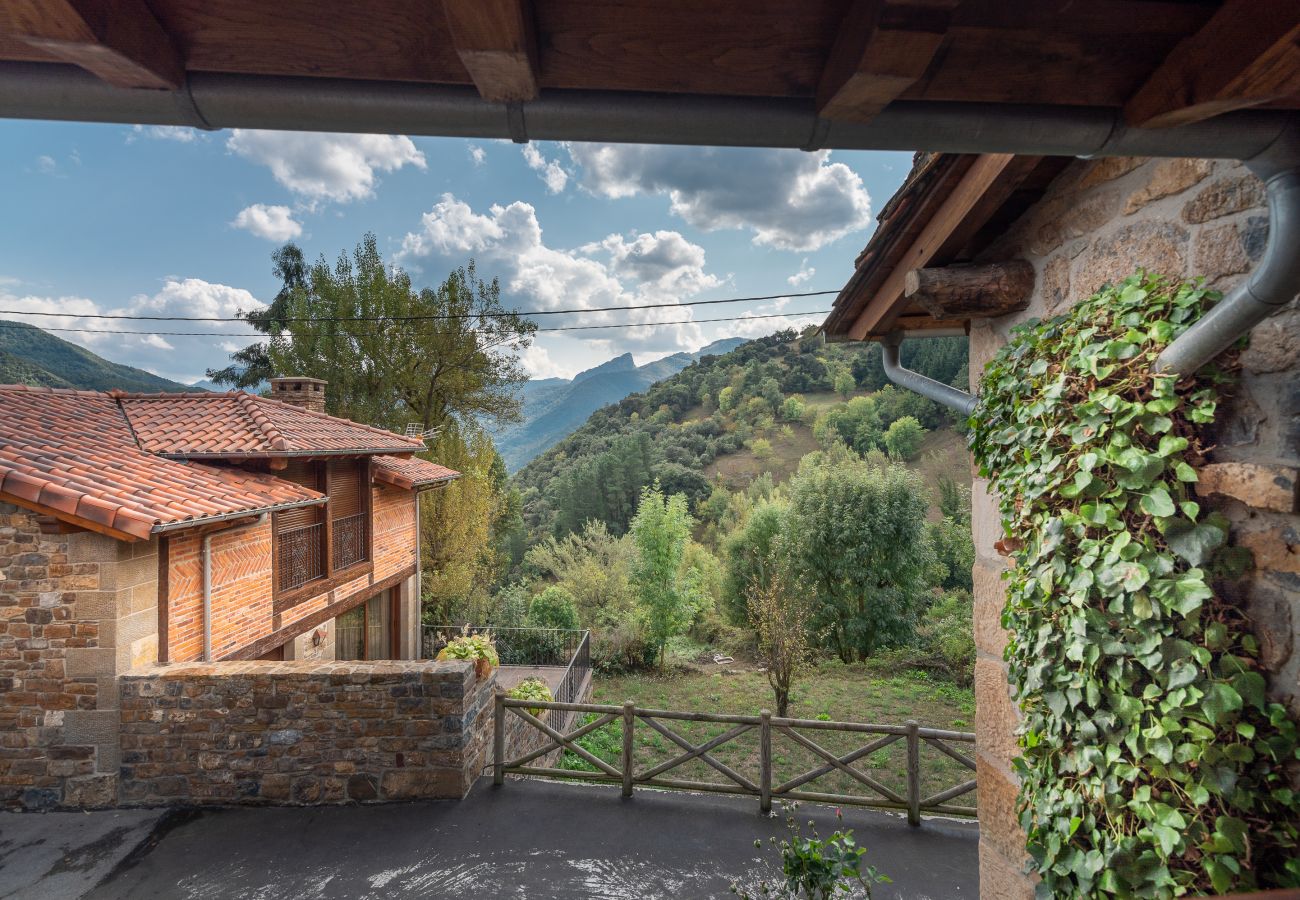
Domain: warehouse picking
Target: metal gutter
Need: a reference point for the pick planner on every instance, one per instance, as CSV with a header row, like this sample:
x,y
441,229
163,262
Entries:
x,y
943,394
242,514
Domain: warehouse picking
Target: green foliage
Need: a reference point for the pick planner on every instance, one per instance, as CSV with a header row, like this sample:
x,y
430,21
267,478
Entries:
x,y
747,553
903,438
816,868
29,355
1153,763
532,689
660,532
862,549
793,408
945,631
472,647
552,608
954,553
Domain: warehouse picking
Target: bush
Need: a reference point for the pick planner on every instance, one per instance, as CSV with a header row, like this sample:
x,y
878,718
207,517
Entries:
x,y
945,631
903,439
552,608
532,689
621,648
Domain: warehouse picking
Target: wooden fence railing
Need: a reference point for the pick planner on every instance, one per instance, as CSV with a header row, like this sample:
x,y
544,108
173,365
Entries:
x,y
768,727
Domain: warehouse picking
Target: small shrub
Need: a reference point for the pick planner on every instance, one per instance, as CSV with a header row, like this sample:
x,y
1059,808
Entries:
x,y
531,689
473,647
817,868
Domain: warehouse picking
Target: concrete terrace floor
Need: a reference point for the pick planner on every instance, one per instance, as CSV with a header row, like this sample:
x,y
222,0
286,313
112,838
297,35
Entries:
x,y
528,839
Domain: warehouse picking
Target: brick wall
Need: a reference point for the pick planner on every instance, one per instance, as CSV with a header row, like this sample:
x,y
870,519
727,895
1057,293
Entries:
x,y
75,609
303,733
396,535
1099,221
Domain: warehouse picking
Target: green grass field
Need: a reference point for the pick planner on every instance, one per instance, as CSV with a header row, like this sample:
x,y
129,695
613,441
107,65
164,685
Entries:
x,y
831,693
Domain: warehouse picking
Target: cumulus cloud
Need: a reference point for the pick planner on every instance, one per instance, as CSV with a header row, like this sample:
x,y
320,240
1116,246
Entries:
x,y
477,154
550,171
805,274
789,199
539,364
181,358
749,325
620,270
275,223
326,167
179,133
46,165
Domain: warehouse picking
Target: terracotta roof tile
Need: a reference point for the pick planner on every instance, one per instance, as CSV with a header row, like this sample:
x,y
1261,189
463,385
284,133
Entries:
x,y
74,453
236,424
411,473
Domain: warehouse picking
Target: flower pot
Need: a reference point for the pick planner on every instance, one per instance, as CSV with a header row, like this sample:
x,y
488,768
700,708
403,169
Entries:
x,y
482,667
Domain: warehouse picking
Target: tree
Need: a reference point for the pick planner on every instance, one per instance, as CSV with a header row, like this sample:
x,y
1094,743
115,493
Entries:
x,y
552,608
844,383
781,612
862,549
747,553
792,409
903,438
660,530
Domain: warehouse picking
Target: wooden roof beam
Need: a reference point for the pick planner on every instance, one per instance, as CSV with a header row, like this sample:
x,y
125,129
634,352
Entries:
x,y
497,42
988,183
1247,54
120,41
883,48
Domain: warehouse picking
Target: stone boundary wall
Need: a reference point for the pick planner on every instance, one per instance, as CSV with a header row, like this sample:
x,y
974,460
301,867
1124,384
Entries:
x,y
1099,221
299,733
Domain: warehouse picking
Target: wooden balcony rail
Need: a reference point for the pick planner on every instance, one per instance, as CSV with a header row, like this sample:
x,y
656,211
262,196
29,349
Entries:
x,y
876,793
298,556
351,540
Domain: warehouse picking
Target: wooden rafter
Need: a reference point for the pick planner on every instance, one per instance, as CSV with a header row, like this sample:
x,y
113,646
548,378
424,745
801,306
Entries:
x,y
981,192
497,42
120,41
1247,54
882,49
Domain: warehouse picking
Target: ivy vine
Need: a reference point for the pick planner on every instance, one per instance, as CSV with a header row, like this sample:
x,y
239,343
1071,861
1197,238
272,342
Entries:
x,y
1153,764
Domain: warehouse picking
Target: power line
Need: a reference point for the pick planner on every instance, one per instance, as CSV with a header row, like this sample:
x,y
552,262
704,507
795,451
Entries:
x,y
217,334
438,316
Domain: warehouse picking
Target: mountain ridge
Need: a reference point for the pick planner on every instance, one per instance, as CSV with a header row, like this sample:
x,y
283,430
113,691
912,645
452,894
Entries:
x,y
32,356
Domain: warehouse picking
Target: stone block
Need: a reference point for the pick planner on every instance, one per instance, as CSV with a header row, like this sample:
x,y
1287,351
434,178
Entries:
x,y
136,571
1154,245
91,726
1274,344
1258,486
91,791
91,661
986,521
996,716
1224,197
87,546
95,605
1001,879
1054,284
1108,169
1233,249
422,784
1275,545
990,597
1169,177
999,818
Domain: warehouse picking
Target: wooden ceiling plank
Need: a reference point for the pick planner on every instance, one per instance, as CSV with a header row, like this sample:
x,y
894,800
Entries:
x,y
882,49
989,181
1248,53
497,42
119,41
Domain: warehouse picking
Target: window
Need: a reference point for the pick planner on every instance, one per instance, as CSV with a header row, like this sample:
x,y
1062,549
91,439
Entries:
x,y
299,533
366,631
349,511
314,542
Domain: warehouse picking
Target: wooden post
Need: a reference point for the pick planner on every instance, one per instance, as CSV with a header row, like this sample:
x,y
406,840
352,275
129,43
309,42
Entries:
x,y
765,761
913,772
957,292
499,740
629,720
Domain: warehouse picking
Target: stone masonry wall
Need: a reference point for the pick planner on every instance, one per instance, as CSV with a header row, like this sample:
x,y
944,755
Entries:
x,y
1097,222
75,609
289,733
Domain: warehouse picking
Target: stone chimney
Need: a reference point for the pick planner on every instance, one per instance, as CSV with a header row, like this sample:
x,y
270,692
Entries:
x,y
309,393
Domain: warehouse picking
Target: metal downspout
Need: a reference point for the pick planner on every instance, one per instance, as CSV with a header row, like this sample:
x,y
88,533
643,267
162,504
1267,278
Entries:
x,y
940,393
205,555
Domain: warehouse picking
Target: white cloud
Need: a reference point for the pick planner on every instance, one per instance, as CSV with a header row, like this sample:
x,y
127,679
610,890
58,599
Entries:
x,y
789,199
539,364
660,268
805,274
178,133
275,223
477,154
171,356
46,165
749,325
321,167
550,171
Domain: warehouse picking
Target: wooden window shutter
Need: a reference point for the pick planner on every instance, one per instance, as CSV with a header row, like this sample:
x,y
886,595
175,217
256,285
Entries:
x,y
345,488
304,473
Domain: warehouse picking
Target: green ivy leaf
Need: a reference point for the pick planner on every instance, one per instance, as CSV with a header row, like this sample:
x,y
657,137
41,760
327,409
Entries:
x,y
1220,702
1157,502
1194,541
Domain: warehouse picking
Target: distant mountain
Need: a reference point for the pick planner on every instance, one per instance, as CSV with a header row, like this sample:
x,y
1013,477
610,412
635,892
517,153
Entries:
x,y
555,407
204,385
32,356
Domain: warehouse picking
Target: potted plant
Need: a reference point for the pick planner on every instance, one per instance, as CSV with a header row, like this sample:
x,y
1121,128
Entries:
x,y
531,689
477,648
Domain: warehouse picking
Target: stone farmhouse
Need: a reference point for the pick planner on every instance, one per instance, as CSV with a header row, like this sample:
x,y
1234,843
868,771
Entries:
x,y
186,528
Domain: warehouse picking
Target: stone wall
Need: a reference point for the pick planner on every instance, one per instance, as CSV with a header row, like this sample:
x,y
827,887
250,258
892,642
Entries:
x,y
303,733
1097,222
74,610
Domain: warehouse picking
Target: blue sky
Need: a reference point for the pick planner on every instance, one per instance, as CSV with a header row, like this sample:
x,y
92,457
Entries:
x,y
115,219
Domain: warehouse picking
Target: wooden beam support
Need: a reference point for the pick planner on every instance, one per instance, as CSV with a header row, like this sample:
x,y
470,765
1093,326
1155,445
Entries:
x,y
988,183
120,41
1247,54
882,49
971,292
497,42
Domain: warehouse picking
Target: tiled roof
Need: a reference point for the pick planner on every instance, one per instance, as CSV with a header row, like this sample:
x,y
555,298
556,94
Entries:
x,y
411,473
237,424
74,453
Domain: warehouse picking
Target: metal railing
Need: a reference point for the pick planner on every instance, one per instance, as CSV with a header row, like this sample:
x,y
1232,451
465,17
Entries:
x,y
768,726
298,556
517,646
351,540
